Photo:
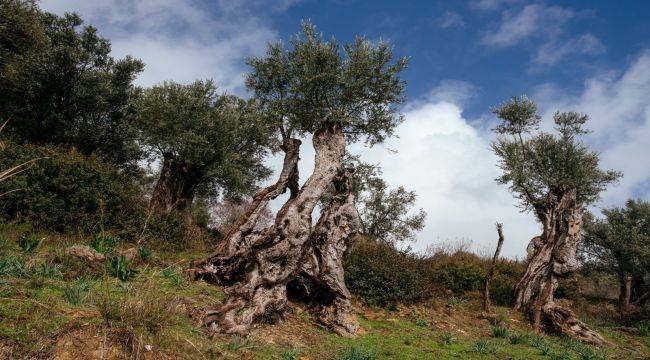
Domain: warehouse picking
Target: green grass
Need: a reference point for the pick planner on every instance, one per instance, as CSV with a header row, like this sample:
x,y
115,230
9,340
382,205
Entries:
x,y
41,298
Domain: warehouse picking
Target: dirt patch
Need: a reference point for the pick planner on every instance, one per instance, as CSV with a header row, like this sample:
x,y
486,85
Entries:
x,y
86,343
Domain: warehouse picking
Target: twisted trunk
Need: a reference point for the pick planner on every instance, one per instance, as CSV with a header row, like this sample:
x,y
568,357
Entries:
x,y
176,186
257,266
550,257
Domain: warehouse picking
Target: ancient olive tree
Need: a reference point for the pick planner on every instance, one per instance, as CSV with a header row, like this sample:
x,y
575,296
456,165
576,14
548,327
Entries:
x,y
206,143
338,95
620,244
555,176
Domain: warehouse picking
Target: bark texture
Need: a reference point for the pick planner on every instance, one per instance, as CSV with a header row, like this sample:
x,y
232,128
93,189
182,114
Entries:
x,y
551,256
256,266
625,293
176,186
490,274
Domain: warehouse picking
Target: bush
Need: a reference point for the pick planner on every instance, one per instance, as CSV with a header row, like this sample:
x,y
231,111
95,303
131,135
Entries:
x,y
382,275
65,191
460,272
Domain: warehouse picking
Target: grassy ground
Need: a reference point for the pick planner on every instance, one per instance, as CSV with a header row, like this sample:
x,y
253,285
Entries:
x,y
53,308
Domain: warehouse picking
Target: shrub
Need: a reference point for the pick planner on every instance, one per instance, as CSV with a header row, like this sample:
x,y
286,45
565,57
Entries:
x,y
28,242
381,274
460,272
65,191
75,293
120,268
502,289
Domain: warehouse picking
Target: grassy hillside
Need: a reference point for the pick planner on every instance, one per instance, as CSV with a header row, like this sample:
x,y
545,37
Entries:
x,y
54,307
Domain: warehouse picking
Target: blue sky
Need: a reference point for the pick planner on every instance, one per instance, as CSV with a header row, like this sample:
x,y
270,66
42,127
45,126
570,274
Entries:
x,y
465,56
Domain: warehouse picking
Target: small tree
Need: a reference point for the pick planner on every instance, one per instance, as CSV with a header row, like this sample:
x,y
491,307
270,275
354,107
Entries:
x,y
555,177
206,142
337,94
620,243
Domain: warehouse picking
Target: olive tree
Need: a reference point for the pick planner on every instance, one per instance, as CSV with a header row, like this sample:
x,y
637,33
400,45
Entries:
x,y
555,176
337,94
206,143
619,243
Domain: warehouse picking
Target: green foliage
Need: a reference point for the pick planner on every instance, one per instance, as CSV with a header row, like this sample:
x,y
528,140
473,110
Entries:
x,y
48,270
119,267
144,253
172,274
619,242
238,342
67,192
317,82
11,265
61,86
357,353
460,273
535,165
207,142
643,328
104,244
28,242
291,353
500,331
447,338
483,347
380,274
518,338
75,293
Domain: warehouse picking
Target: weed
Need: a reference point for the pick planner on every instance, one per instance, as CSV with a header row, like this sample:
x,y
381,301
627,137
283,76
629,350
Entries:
x,y
483,347
643,328
421,322
49,271
146,309
447,338
120,268
12,266
239,342
104,244
144,253
500,332
355,353
457,302
291,353
76,292
517,338
562,356
541,344
28,242
175,277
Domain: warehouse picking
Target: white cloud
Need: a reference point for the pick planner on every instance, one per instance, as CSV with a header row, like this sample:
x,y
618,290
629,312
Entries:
x,y
620,120
178,40
487,5
450,19
553,52
532,21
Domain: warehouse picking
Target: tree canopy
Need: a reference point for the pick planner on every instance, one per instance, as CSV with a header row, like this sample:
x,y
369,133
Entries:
x,y
537,164
316,81
219,139
60,85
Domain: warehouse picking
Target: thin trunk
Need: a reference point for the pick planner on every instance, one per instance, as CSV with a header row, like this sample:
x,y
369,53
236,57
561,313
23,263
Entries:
x,y
258,270
175,188
490,274
626,293
553,255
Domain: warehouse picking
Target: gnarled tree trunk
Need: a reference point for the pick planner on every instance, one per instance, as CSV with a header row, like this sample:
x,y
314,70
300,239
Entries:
x,y
256,266
550,257
176,186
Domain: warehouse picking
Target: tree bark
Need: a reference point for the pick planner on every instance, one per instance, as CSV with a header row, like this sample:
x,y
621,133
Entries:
x,y
176,186
490,274
625,293
256,266
551,256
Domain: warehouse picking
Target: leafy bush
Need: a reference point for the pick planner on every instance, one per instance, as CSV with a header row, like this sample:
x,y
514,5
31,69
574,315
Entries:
x,y
65,191
28,242
460,272
120,268
382,275
502,289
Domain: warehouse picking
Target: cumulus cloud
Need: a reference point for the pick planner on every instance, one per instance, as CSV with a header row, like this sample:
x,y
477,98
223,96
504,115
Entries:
x,y
178,40
450,19
617,102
